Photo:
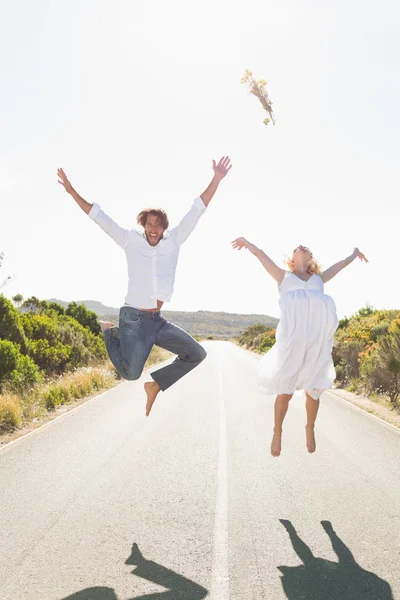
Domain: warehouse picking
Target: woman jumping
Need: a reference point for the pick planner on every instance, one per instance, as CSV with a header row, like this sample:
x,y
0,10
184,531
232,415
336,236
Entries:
x,y
301,358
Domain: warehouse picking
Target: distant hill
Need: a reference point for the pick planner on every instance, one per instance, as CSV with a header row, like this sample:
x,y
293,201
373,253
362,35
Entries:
x,y
201,322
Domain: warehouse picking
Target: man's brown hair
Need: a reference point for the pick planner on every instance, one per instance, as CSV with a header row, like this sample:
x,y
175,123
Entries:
x,y
156,212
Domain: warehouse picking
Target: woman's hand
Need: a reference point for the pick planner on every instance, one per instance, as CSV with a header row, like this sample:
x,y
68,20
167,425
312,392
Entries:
x,y
360,255
63,180
239,243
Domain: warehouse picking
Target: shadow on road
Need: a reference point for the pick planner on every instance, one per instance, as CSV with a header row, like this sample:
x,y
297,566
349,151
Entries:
x,y
320,579
178,587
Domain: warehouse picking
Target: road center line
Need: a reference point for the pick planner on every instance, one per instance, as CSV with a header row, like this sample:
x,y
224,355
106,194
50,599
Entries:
x,y
220,567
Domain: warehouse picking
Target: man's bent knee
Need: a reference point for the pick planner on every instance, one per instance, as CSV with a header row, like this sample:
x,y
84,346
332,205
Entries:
x,y
203,354
199,355
131,372
132,375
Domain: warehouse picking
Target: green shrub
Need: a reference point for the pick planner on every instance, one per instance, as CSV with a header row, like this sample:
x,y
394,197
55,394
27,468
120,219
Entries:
x,y
354,385
266,344
381,369
57,342
379,330
340,373
347,354
10,324
25,375
85,317
52,359
251,333
9,356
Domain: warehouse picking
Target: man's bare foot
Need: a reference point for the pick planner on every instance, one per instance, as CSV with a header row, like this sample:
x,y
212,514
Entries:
x,y
105,325
310,438
151,388
276,443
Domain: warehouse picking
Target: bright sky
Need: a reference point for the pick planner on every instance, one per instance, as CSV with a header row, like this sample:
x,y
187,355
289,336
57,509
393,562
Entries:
x,y
134,100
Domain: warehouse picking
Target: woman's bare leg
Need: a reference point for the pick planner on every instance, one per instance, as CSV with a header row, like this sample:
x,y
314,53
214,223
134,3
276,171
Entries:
x,y
280,409
312,407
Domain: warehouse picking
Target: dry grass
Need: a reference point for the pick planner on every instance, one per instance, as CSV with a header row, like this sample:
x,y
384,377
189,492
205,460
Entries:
x,y
157,355
17,410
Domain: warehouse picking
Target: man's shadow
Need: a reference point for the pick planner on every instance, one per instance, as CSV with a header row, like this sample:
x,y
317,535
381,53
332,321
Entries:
x,y
320,579
178,586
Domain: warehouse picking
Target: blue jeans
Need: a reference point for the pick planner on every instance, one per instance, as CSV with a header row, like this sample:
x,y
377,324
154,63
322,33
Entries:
x,y
129,346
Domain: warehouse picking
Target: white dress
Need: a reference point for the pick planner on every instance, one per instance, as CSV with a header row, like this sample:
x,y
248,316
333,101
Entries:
x,y
301,358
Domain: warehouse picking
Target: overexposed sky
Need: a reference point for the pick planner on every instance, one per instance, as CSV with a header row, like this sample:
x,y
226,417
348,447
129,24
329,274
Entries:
x,y
135,99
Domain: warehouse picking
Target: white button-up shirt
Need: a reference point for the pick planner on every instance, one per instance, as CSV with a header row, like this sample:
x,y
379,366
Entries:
x,y
151,269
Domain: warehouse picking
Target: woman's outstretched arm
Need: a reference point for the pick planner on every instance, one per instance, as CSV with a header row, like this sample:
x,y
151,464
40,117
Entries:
x,y
336,268
276,272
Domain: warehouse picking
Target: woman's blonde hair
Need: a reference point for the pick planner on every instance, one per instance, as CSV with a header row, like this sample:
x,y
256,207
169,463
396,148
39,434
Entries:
x,y
313,268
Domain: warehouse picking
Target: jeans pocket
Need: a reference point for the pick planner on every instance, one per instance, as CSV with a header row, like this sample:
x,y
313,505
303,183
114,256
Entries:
x,y
130,318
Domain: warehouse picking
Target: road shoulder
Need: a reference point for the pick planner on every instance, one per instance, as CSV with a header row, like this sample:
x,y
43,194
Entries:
x,y
376,408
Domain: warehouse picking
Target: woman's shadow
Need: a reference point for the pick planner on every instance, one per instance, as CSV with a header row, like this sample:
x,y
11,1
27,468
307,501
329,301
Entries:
x,y
320,579
177,586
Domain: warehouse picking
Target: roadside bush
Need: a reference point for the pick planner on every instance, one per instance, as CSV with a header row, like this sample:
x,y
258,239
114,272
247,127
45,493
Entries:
x,y
10,324
267,341
9,354
346,357
381,368
51,358
58,343
25,375
247,338
85,317
379,330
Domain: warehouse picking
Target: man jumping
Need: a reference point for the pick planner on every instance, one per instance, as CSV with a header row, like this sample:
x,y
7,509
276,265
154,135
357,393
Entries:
x,y
152,256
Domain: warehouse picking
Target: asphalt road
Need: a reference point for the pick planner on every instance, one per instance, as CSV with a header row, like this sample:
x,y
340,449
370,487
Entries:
x,y
107,504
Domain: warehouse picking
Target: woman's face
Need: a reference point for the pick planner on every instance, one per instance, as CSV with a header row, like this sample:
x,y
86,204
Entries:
x,y
301,254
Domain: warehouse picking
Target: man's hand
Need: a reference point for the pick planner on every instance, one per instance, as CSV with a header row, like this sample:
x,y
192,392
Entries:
x,y
63,180
360,255
222,168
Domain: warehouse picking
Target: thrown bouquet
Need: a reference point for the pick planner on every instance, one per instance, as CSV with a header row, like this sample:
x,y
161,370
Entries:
x,y
258,89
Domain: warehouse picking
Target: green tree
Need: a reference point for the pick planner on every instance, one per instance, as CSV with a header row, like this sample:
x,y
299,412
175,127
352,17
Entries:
x,y
34,305
9,354
57,342
365,311
85,317
18,299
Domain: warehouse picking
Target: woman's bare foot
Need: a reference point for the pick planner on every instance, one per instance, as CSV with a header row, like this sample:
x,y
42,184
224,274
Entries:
x,y
276,443
105,325
151,388
310,438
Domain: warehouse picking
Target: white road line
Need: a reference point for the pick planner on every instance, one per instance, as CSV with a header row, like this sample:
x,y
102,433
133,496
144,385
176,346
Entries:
x,y
220,568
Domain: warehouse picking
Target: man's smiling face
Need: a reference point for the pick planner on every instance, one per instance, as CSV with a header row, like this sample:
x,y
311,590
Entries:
x,y
153,230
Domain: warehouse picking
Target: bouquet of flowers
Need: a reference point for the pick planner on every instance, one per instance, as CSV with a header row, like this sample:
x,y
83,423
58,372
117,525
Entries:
x,y
258,89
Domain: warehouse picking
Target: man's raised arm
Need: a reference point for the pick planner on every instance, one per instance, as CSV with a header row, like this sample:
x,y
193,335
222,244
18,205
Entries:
x,y
220,171
63,180
190,220
115,231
